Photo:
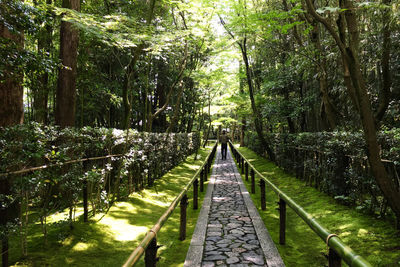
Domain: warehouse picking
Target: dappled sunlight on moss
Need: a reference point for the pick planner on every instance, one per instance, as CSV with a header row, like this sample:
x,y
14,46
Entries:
x,y
322,213
122,230
80,246
190,166
160,200
362,232
68,241
345,234
344,226
58,216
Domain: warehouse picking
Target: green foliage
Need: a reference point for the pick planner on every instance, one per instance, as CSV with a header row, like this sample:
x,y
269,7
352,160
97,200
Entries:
x,y
113,30
20,18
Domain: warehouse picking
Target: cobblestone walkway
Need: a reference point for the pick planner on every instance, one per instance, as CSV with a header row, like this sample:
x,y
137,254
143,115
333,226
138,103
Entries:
x,y
230,238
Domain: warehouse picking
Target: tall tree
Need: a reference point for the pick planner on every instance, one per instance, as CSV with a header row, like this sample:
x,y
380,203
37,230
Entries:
x,y
347,37
257,118
241,88
328,112
11,91
66,87
131,69
11,113
41,92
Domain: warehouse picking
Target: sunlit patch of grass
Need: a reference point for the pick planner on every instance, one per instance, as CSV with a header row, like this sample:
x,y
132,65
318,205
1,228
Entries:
x,y
108,239
374,239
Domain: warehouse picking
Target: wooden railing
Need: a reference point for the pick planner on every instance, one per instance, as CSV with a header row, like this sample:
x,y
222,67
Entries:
x,y
148,246
337,249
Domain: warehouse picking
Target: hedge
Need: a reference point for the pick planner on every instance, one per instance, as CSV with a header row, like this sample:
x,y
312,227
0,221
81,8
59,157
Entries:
x,y
145,158
335,163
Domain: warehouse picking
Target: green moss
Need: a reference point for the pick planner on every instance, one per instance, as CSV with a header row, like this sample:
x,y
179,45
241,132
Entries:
x,y
109,238
374,239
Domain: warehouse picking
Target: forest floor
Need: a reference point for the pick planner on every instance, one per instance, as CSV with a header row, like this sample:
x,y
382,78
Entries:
x,y
374,239
108,239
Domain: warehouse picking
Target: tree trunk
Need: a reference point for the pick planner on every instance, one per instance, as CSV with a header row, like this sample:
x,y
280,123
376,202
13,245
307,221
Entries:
x,y
151,117
256,114
161,121
291,125
66,87
328,111
385,94
11,90
175,117
209,125
126,100
242,132
40,97
11,113
241,88
358,90
137,52
383,180
387,186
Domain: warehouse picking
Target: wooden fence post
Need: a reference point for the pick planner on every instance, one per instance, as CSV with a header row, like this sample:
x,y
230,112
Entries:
x,y
247,171
182,229
150,256
262,187
334,259
282,221
85,201
4,249
5,189
195,194
85,194
201,181
205,173
253,181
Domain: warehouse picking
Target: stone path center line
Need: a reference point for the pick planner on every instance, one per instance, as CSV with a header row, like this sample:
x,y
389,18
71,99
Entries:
x,y
229,230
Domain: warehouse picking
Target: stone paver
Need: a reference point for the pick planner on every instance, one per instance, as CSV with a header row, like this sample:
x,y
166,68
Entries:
x,y
236,242
229,235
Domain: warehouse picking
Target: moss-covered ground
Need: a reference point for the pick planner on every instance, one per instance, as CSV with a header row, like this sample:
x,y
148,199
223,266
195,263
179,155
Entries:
x,y
108,239
374,239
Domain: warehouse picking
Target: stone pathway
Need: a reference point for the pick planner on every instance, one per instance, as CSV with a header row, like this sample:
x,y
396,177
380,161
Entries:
x,y
230,225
